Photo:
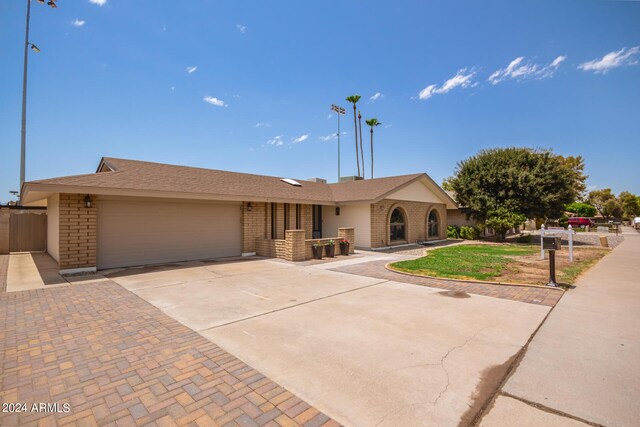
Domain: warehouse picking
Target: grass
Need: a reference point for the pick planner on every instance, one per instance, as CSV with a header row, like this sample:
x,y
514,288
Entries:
x,y
505,263
479,262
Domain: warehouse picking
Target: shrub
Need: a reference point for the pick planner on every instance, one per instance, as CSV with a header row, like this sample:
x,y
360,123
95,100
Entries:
x,y
469,233
453,232
502,220
524,238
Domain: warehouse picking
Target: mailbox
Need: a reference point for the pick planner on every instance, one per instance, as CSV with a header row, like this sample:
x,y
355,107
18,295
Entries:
x,y
551,243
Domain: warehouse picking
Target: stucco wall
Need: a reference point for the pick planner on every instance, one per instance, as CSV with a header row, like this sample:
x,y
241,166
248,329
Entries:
x,y
416,192
355,216
53,226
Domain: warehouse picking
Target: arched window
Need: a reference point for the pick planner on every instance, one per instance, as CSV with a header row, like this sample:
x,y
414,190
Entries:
x,y
397,226
432,224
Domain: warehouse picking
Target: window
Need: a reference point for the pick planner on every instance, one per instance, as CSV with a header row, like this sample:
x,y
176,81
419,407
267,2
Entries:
x,y
397,226
432,224
298,216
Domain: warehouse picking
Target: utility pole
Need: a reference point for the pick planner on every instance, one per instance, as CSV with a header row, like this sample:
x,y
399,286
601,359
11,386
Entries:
x,y
339,112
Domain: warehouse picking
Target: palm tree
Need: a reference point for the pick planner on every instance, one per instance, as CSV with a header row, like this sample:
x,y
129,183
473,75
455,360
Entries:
x,y
360,131
354,100
372,123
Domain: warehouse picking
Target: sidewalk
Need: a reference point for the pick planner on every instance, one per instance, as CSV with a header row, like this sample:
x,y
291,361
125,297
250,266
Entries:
x,y
583,365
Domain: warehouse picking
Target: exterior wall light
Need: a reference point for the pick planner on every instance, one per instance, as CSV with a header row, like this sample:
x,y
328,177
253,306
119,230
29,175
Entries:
x,y
87,201
249,206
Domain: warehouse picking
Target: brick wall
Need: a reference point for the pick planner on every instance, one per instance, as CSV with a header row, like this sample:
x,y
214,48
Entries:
x,y
256,223
349,234
77,232
415,220
253,225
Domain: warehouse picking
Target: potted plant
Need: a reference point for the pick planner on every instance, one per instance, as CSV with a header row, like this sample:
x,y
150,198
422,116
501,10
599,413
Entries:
x,y
344,247
330,248
317,249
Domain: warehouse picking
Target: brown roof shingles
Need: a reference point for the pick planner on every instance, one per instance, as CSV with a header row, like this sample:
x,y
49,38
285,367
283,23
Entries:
x,y
148,176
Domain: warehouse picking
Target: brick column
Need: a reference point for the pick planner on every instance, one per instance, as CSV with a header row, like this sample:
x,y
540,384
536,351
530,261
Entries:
x,y
77,233
349,234
296,245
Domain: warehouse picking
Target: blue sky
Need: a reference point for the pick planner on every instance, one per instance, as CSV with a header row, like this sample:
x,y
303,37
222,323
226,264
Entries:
x,y
233,85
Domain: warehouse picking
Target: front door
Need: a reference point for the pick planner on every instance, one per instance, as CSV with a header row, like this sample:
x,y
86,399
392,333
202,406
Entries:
x,y
317,222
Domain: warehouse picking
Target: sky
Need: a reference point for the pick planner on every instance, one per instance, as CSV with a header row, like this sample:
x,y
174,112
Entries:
x,y
247,86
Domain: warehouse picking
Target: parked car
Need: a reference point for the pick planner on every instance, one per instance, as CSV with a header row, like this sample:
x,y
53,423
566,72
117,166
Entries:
x,y
581,222
636,223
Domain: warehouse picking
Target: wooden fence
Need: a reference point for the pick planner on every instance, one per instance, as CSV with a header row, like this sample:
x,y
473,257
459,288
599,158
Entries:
x,y
27,230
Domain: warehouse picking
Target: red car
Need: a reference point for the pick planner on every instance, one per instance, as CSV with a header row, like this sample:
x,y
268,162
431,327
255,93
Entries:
x,y
580,222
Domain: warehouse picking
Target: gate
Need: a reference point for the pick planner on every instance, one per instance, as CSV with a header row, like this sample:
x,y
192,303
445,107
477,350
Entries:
x,y
27,230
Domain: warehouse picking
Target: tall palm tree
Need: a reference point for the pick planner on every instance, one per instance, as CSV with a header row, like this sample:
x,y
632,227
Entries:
x,y
372,123
360,132
354,100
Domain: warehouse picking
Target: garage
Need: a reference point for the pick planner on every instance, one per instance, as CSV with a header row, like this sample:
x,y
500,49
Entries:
x,y
138,231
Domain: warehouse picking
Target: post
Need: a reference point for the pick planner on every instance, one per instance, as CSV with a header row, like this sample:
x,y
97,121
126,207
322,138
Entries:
x,y
23,134
552,269
570,238
541,239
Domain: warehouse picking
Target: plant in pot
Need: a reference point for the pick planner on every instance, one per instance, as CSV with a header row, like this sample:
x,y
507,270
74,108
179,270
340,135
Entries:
x,y
317,249
344,247
330,248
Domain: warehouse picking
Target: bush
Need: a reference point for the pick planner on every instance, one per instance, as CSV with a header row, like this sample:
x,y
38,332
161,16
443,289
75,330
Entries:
x,y
453,232
469,233
524,238
502,220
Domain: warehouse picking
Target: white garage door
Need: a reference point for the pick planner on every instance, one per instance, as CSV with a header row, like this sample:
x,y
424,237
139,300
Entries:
x,y
137,231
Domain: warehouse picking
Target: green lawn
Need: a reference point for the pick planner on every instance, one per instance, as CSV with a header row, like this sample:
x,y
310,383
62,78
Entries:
x,y
479,262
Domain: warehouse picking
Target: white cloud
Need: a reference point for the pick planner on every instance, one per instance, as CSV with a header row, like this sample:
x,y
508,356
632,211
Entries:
x,y
241,28
611,60
520,70
98,2
376,96
78,23
329,116
328,137
214,101
462,79
191,69
301,138
263,125
277,141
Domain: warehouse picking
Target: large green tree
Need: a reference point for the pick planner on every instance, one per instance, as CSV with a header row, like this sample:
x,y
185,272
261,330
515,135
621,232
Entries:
x,y
532,182
630,204
605,202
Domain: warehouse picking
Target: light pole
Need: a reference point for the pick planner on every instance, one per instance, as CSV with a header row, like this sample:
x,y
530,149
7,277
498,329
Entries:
x,y
27,45
339,112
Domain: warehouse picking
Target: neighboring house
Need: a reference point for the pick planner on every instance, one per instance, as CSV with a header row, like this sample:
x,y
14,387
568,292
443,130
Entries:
x,y
135,213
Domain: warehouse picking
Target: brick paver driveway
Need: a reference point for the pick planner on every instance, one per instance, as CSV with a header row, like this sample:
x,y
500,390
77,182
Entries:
x,y
118,360
528,294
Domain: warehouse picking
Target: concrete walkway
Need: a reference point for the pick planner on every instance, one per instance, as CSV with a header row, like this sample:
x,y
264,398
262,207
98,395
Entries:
x,y
583,365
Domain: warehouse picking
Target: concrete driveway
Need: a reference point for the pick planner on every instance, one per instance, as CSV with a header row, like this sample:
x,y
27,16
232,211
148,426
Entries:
x,y
364,351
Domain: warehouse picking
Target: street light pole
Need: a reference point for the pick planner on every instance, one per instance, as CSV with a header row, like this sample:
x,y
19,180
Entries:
x,y
23,137
27,44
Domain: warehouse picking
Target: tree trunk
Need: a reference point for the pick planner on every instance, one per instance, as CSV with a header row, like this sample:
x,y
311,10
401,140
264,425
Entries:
x,y
361,152
355,128
371,152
